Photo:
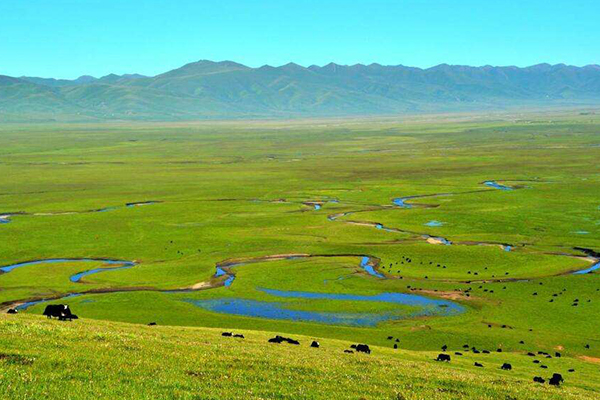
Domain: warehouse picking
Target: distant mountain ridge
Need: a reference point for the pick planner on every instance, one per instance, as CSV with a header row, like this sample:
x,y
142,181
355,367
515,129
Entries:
x,y
207,89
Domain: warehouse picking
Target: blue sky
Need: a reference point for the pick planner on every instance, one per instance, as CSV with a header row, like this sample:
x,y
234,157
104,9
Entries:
x,y
68,38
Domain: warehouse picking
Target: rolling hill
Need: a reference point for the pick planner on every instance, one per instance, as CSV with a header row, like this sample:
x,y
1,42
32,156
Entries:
x,y
207,89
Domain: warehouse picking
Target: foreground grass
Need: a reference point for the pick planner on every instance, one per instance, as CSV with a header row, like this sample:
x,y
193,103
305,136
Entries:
x,y
88,359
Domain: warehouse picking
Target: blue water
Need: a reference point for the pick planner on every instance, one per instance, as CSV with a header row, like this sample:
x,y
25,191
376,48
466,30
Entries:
x,y
276,310
396,298
496,185
4,220
364,263
590,269
400,202
317,206
25,306
77,277
125,264
229,280
507,247
263,309
434,223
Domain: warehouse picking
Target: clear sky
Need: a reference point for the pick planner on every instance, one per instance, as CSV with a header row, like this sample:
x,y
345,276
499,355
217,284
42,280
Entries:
x,y
68,38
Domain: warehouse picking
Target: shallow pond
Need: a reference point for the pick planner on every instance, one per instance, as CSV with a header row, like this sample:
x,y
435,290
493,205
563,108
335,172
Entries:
x,y
275,310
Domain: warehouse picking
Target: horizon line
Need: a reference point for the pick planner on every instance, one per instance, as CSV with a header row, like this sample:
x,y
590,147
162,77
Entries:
x,y
331,63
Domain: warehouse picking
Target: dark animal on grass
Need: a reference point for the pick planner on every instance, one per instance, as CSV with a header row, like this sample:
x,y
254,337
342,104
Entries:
x,y
485,351
556,380
458,353
348,351
572,370
239,335
363,348
557,354
443,357
152,324
531,354
12,311
60,311
314,344
506,367
444,348
543,366
281,339
539,379
478,365
395,346
227,334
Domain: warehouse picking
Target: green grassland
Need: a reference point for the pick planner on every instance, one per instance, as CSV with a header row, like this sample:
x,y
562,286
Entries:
x,y
244,190
105,360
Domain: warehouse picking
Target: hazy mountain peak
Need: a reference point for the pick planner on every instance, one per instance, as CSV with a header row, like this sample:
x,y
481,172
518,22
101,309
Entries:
x,y
85,79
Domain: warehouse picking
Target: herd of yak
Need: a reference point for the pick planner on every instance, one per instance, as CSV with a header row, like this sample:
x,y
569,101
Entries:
x,y
63,313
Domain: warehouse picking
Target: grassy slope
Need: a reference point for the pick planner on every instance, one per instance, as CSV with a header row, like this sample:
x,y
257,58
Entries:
x,y
102,360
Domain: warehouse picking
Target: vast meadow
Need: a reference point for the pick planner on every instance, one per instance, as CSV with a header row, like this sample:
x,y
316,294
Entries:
x,y
477,232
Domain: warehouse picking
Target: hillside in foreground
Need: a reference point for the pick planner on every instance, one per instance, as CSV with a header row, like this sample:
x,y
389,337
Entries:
x,y
86,359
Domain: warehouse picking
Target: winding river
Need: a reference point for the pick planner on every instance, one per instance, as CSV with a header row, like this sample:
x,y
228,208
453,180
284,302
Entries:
x,y
225,277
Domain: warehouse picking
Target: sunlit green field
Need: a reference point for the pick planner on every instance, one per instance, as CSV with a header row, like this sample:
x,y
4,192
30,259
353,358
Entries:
x,y
246,190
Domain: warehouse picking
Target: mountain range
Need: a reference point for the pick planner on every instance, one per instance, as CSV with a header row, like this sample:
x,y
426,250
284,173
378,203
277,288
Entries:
x,y
207,89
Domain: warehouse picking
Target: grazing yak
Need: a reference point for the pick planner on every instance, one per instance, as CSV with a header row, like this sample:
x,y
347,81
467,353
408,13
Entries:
x,y
281,339
12,311
478,365
556,380
539,379
443,357
152,324
506,367
315,344
60,311
362,348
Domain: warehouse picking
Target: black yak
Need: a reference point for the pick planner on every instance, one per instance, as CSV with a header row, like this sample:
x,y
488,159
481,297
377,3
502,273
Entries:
x,y
363,348
60,311
556,380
